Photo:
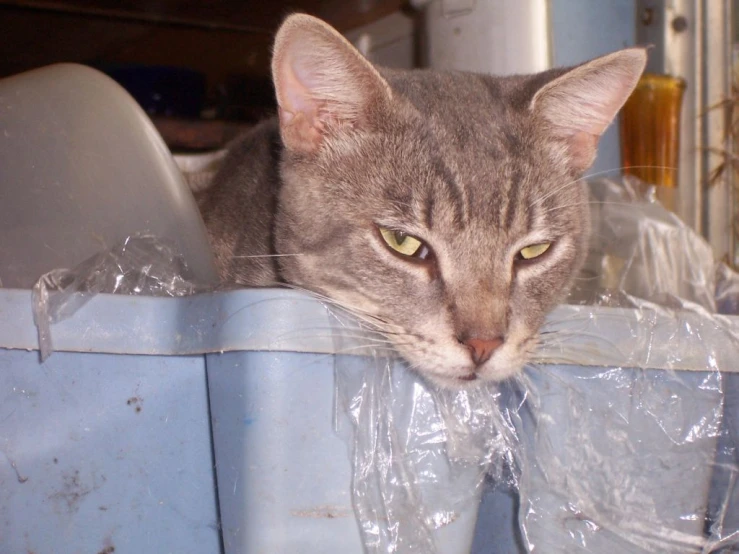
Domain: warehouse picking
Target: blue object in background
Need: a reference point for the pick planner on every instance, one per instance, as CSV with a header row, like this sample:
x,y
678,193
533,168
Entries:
x,y
598,31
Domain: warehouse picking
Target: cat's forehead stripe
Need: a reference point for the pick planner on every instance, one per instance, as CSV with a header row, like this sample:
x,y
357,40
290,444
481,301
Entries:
x,y
513,196
455,192
428,218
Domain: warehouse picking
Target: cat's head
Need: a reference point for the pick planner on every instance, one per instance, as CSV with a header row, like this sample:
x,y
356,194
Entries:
x,y
446,207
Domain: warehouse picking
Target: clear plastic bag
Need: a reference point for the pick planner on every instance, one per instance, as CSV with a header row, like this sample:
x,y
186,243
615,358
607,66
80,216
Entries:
x,y
139,265
640,249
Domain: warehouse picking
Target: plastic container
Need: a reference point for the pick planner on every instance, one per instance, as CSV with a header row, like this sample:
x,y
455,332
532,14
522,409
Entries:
x,y
634,448
83,168
102,452
107,444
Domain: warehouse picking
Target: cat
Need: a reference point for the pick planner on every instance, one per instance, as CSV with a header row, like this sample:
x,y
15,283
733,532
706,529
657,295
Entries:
x,y
444,207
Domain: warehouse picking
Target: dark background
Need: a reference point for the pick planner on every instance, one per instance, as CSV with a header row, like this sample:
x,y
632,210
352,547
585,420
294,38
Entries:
x,y
225,45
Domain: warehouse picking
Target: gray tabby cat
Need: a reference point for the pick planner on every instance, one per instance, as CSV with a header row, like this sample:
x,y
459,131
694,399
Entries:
x,y
445,207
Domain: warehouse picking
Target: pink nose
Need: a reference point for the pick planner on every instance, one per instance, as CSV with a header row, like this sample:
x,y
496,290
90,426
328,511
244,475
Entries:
x,y
482,349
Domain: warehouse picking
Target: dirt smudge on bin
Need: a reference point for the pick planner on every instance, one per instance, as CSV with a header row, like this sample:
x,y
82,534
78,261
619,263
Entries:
x,y
136,402
21,479
74,490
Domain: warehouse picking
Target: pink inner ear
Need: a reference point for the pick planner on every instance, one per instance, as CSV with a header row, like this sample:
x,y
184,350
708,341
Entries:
x,y
582,147
298,109
581,103
585,116
584,110
321,81
295,97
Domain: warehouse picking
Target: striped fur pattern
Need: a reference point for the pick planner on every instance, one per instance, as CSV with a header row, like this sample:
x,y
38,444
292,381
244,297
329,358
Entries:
x,y
475,166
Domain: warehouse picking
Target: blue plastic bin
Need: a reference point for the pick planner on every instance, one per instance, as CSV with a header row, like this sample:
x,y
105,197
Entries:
x,y
103,452
108,444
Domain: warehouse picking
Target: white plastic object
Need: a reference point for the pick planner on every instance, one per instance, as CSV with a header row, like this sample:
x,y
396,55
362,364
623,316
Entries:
x,y
81,168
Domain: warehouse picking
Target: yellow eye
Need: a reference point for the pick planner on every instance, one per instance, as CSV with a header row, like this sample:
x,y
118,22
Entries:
x,y
534,251
404,244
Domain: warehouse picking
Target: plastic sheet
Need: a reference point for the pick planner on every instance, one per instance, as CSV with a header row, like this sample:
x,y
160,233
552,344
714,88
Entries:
x,y
727,290
620,437
419,455
640,249
139,265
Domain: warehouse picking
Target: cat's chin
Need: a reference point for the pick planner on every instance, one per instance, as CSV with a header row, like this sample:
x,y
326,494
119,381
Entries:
x,y
454,383
472,380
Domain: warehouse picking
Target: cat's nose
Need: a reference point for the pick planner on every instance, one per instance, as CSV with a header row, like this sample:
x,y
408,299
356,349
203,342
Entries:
x,y
482,349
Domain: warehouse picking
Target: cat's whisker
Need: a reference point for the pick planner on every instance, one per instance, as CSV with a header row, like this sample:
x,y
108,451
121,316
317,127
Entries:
x,y
585,318
552,332
327,299
265,256
607,171
567,337
373,347
340,331
541,199
413,366
551,193
374,323
579,332
301,334
560,333
379,351
588,203
369,318
341,335
560,359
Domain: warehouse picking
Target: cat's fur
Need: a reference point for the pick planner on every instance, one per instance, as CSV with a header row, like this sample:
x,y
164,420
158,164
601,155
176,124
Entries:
x,y
476,166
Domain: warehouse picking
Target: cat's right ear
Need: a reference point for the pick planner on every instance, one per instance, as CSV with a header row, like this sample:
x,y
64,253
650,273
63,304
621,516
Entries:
x,y
322,83
582,102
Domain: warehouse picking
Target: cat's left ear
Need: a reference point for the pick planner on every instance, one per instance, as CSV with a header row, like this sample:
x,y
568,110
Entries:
x,y
322,83
581,103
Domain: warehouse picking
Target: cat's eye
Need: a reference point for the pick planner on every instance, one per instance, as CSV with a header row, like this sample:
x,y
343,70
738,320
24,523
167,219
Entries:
x,y
405,244
534,250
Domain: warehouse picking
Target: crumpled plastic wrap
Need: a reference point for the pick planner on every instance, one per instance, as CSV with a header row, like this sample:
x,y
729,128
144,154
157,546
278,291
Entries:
x,y
419,455
727,290
620,437
640,249
139,265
